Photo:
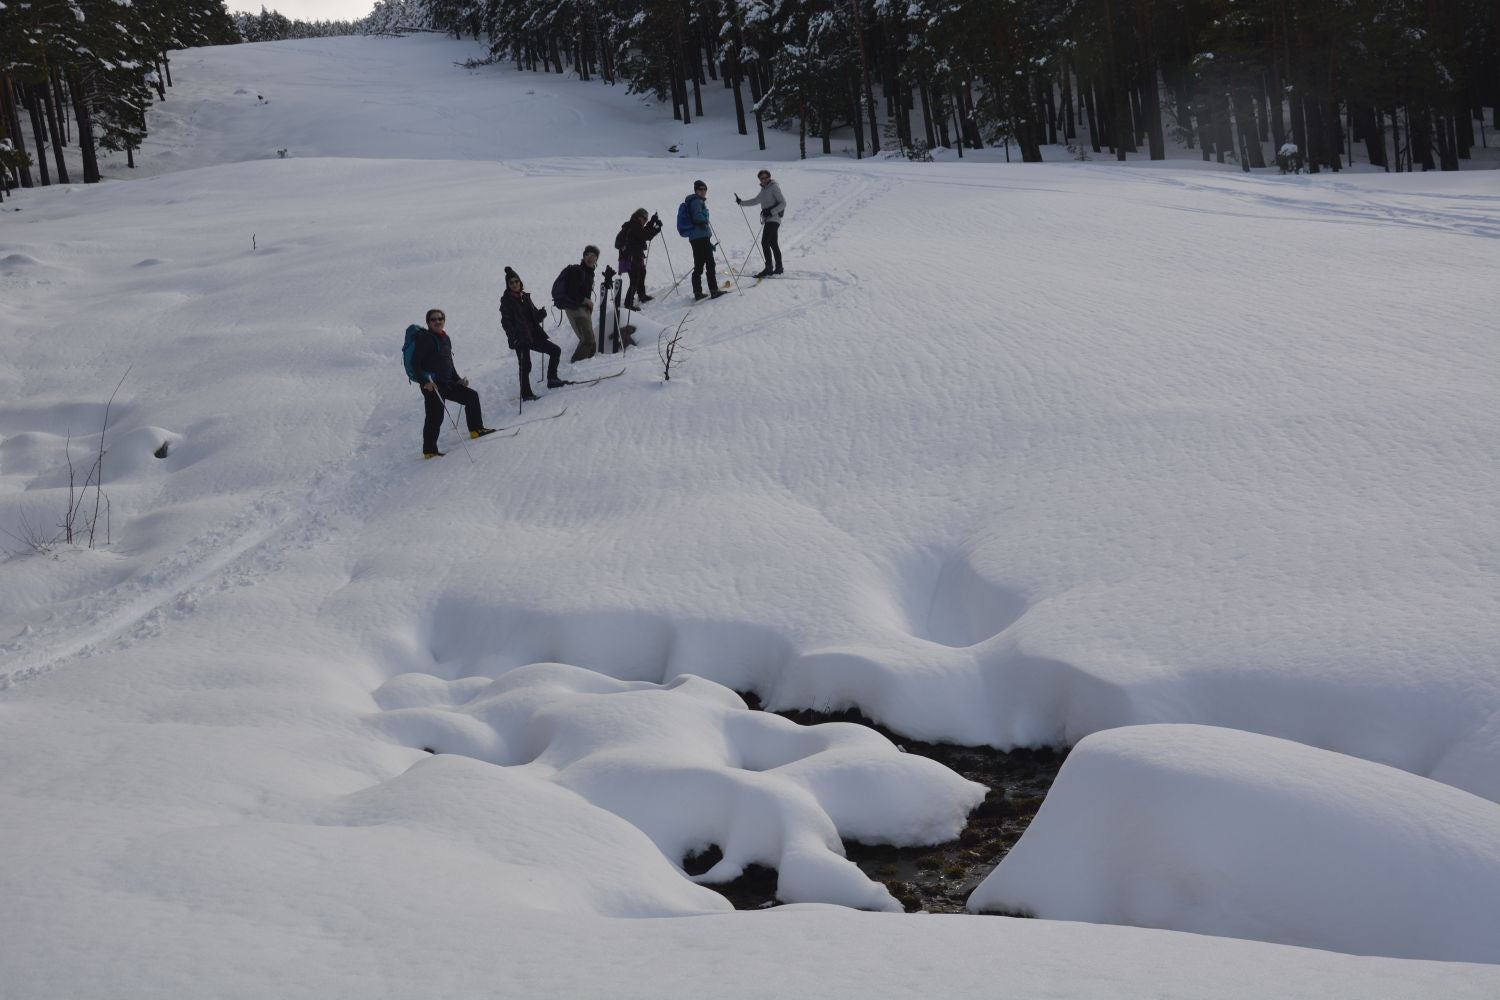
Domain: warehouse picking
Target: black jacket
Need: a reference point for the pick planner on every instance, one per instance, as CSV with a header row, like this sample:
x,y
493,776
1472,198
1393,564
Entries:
x,y
522,321
432,355
578,285
634,237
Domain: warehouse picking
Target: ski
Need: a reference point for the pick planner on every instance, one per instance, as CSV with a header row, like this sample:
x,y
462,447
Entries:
x,y
499,432
596,381
515,428
583,382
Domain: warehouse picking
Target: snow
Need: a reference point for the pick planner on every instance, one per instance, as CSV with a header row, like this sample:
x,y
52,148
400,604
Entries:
x,y
1011,455
1221,832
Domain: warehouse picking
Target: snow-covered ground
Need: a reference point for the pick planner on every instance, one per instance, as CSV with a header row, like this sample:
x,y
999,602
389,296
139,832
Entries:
x,y
1011,455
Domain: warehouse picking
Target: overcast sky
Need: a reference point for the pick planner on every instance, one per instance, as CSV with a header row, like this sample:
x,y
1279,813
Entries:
x,y
309,10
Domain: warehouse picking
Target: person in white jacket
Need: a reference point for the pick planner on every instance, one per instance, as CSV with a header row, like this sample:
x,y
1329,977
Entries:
x,y
772,208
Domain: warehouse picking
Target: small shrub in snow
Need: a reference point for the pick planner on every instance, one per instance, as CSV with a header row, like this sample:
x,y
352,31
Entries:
x,y
667,348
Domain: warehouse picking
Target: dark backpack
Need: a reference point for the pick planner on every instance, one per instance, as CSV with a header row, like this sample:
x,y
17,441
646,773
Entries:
x,y
409,348
685,223
560,289
620,239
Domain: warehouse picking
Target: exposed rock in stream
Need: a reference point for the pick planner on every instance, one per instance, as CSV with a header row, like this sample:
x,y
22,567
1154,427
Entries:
x,y
936,879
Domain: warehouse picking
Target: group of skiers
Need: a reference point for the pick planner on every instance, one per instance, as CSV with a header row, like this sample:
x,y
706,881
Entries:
x,y
428,351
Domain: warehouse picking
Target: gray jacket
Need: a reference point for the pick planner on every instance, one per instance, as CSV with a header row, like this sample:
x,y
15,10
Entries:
x,y
773,205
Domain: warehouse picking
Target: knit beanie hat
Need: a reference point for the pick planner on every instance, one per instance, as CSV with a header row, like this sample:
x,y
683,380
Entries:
x,y
509,275
591,249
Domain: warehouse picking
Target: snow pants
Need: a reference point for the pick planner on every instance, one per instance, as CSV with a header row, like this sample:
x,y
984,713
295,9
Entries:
x,y
457,393
636,268
583,325
703,259
523,357
770,249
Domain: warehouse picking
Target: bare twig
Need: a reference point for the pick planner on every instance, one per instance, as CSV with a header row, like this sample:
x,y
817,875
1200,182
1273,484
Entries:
x,y
99,460
667,348
31,534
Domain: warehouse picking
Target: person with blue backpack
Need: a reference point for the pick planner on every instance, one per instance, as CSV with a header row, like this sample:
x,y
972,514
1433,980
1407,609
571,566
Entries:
x,y
428,356
692,222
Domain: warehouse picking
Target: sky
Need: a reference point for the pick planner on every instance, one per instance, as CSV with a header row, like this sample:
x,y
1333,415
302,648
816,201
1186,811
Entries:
x,y
312,10
1191,470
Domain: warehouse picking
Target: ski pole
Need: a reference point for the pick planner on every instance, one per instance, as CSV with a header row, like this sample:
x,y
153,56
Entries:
x,y
451,418
755,240
747,260
675,280
619,334
713,234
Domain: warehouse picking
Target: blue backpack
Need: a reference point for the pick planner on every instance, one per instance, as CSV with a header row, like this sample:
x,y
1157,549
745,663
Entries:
x,y
409,348
685,223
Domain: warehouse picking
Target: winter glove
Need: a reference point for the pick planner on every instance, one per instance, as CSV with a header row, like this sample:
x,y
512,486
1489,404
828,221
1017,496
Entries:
x,y
464,382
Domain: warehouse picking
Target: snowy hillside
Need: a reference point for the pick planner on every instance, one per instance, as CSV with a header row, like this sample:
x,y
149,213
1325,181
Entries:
x,y
1010,455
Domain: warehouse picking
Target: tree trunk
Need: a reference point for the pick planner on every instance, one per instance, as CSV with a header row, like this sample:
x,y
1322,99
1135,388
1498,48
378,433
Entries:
x,y
1448,142
1419,131
1206,129
33,107
1049,110
1396,139
85,128
1093,120
1070,121
1244,115
166,65
971,127
1299,126
926,114
735,75
51,112
859,128
62,106
1333,130
864,68
1223,127
1370,130
13,127
698,79
1151,110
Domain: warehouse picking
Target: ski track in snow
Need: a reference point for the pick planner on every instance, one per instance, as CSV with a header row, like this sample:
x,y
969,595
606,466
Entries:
x,y
1467,215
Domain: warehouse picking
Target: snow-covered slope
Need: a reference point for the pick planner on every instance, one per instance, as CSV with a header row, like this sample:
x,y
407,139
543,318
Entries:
x,y
1009,455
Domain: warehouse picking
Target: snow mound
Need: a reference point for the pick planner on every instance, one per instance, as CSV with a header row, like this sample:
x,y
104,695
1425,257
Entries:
x,y
1240,835
688,764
